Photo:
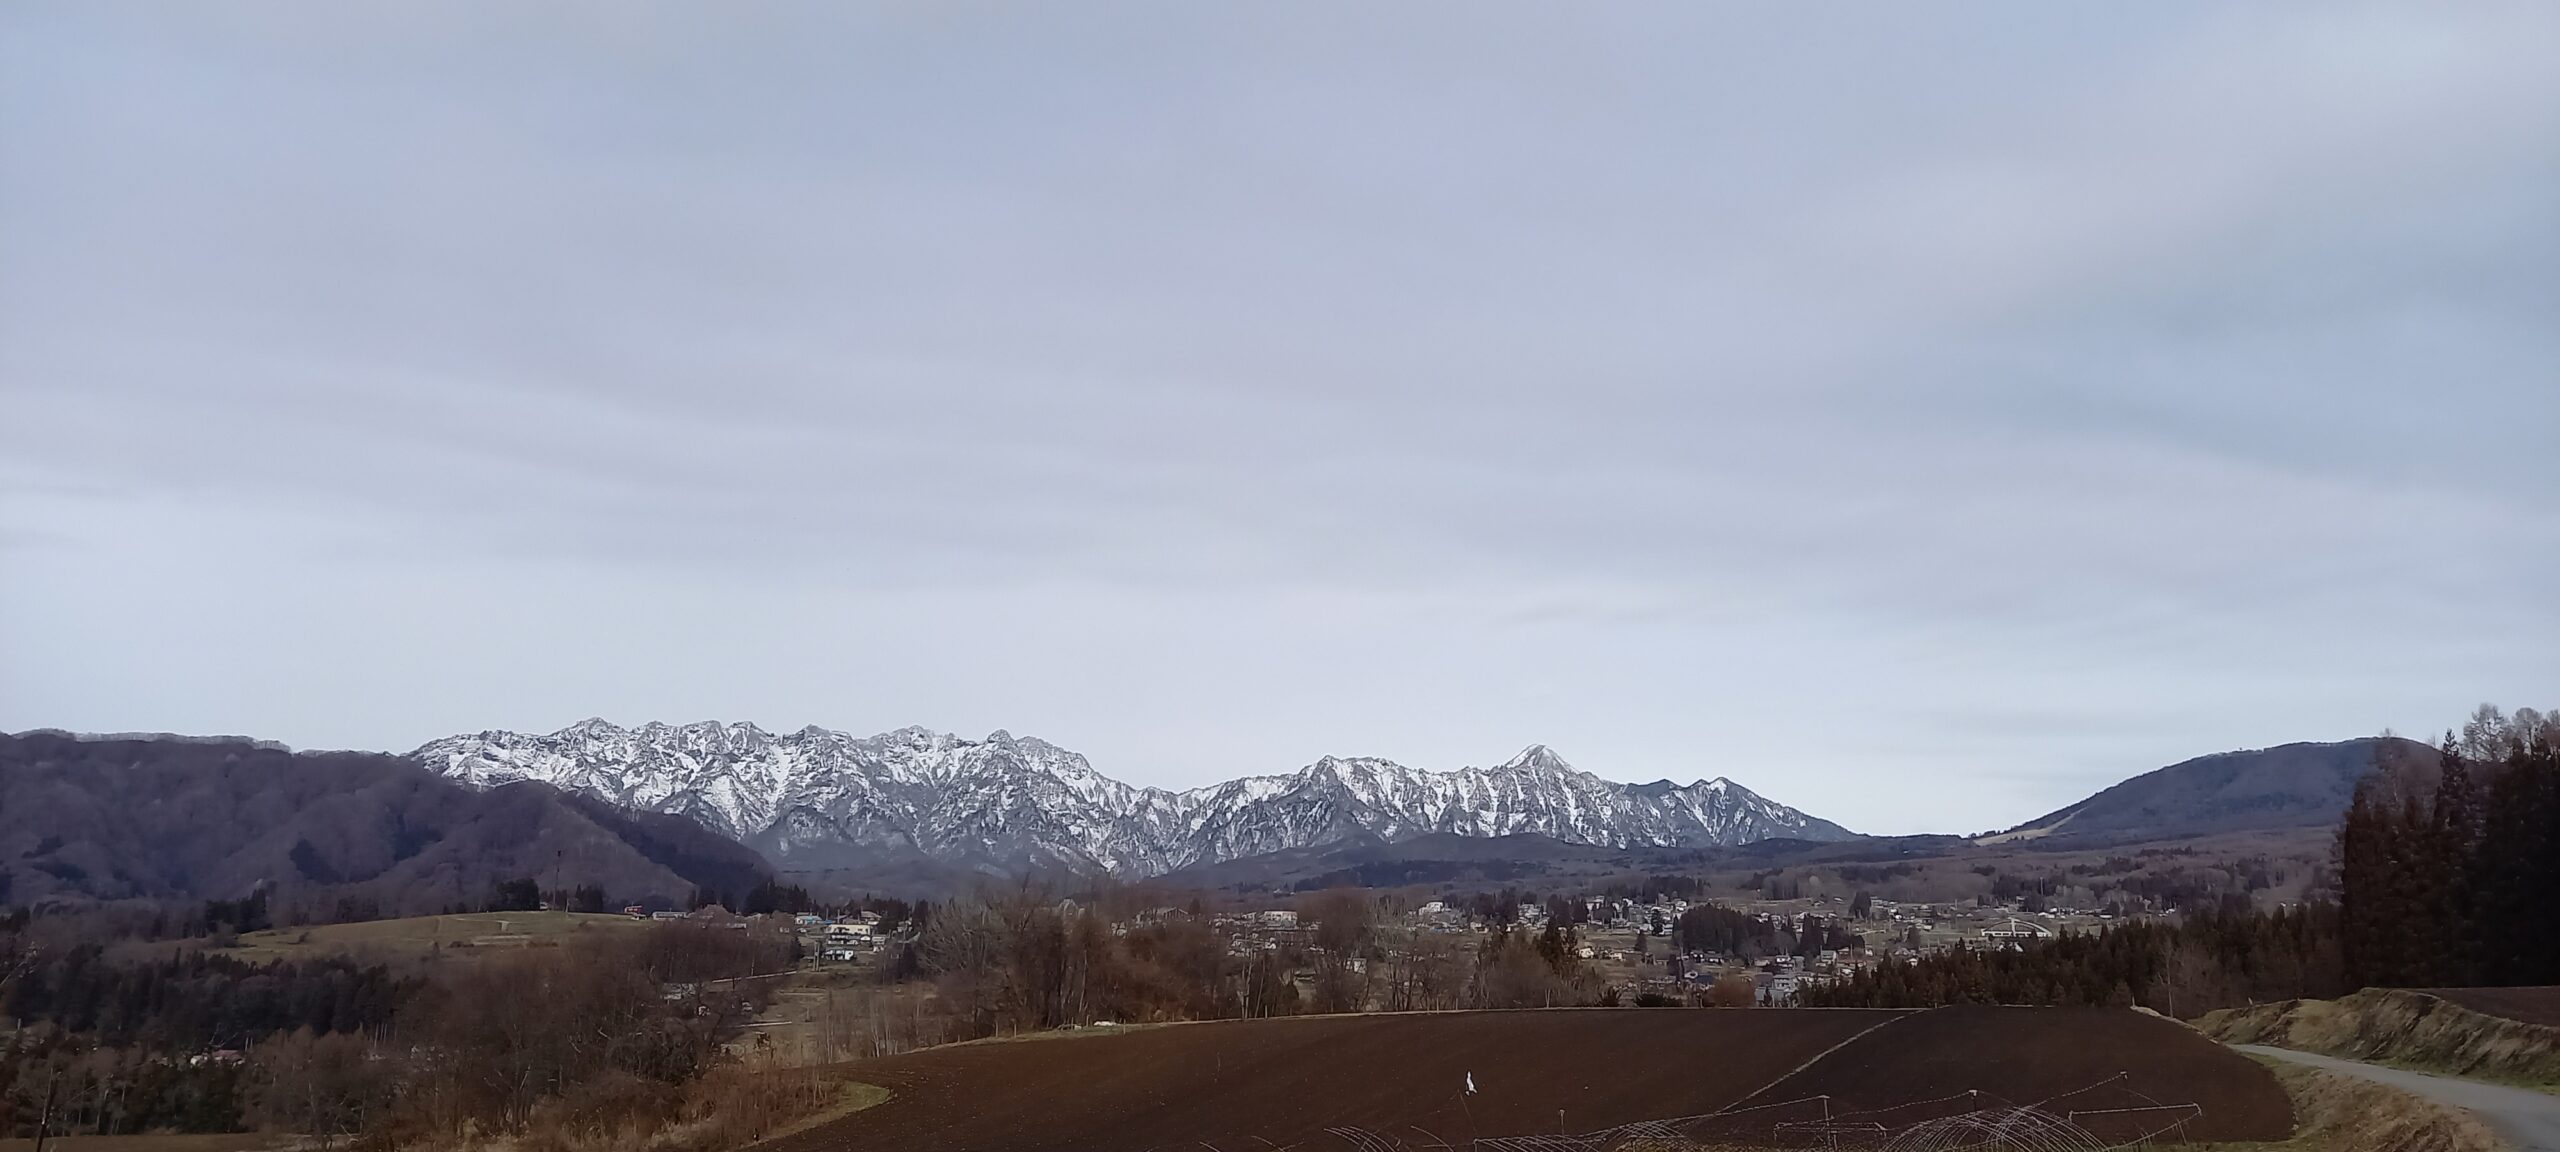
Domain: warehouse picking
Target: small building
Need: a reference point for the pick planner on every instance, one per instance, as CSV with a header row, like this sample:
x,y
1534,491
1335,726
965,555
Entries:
x,y
2015,933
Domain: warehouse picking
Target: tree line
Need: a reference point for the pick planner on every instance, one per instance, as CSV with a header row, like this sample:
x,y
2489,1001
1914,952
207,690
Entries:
x,y
578,1042
2444,862
197,1001
2447,864
2209,959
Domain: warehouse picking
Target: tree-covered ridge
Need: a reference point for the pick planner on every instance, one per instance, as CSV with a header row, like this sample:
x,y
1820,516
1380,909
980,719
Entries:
x,y
2444,863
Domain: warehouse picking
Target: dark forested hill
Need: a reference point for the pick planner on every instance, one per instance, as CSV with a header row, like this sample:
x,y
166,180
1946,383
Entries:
x,y
2292,786
190,819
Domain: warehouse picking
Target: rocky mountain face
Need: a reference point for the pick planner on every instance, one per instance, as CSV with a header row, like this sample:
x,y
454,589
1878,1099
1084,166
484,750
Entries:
x,y
823,799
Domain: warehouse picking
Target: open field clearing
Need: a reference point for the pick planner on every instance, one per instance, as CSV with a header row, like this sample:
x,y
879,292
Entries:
x,y
1399,1081
418,935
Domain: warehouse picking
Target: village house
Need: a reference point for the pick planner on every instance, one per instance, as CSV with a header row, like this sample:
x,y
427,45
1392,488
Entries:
x,y
2015,933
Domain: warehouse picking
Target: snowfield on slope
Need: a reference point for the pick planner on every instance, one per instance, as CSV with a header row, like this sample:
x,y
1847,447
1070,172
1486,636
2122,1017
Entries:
x,y
1011,800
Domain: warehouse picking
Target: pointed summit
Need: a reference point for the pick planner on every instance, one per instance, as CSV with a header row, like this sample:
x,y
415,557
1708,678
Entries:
x,y
1537,758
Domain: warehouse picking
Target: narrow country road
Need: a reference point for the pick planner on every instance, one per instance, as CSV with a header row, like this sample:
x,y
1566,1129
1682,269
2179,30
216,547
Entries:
x,y
2526,1119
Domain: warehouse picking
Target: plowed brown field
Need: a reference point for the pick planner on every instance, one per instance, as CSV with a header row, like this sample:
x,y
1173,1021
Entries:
x,y
1238,1084
2110,1058
1263,1084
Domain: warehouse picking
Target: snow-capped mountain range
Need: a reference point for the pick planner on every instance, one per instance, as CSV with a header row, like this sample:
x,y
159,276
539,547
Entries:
x,y
821,798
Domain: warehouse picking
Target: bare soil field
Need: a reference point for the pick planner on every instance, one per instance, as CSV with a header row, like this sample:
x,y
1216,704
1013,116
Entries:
x,y
1400,1079
2539,1005
2099,1062
1272,1083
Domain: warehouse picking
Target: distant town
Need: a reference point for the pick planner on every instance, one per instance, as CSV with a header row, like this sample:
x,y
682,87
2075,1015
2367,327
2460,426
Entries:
x,y
1635,946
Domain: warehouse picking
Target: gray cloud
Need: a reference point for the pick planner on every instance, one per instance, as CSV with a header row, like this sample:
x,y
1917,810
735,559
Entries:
x,y
1920,419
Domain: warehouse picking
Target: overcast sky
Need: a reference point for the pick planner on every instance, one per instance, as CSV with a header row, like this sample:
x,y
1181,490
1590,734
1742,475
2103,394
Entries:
x,y
1922,415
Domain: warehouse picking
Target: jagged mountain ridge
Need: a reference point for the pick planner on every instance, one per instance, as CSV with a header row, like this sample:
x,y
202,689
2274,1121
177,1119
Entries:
x,y
823,798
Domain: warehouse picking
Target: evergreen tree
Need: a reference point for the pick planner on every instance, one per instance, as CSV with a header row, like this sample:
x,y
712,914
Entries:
x,y
2518,864
2360,883
2453,839
2445,886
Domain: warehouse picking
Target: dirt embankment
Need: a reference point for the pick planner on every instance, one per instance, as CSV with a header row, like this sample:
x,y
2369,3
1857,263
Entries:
x,y
2341,1114
2409,1029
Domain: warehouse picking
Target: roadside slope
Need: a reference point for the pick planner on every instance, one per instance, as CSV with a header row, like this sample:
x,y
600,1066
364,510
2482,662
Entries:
x,y
2403,1028
2526,1120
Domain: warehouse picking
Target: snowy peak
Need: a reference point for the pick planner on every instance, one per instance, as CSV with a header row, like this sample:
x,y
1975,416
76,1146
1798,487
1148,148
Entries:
x,y
821,797
1537,758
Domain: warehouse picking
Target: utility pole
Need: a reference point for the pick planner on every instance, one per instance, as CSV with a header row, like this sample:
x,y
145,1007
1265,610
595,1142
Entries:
x,y
44,1116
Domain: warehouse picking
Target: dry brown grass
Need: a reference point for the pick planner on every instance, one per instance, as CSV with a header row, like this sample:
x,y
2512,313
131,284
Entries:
x,y
2334,1113
418,936
732,1107
852,1096
162,1142
2404,1029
